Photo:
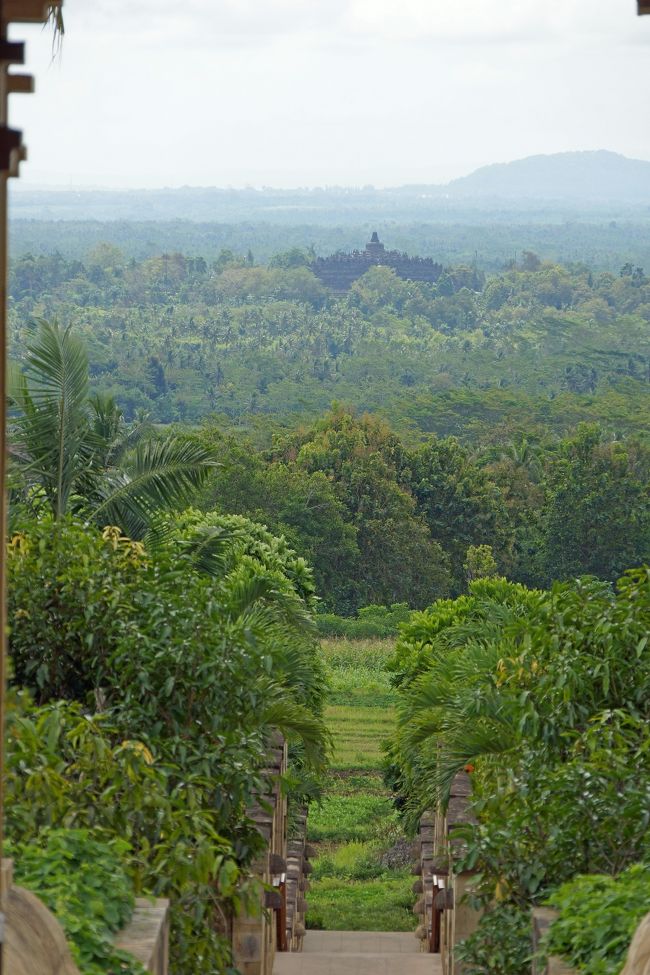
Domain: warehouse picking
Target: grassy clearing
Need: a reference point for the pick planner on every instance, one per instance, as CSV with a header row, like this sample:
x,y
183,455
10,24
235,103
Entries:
x,y
358,733
368,905
346,818
356,885
357,672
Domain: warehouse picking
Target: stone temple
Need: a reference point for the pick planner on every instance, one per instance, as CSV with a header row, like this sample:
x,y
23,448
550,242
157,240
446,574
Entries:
x,y
341,270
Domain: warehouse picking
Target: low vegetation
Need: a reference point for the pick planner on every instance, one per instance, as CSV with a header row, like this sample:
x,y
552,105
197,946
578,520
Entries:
x,y
85,881
361,880
598,916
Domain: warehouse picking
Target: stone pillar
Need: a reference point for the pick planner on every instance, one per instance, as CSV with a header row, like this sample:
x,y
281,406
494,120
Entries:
x,y
256,937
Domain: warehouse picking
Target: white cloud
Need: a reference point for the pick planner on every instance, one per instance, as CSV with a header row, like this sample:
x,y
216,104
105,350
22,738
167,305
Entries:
x,y
151,92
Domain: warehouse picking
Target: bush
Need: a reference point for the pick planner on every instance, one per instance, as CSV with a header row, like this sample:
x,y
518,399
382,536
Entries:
x,y
371,622
66,767
195,652
500,945
84,882
598,918
545,698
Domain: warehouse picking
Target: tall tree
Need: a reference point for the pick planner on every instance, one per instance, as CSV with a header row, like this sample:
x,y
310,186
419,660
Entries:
x,y
458,501
69,448
596,518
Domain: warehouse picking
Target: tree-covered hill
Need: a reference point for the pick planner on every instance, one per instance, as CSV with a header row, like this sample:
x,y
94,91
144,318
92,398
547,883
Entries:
x,y
536,348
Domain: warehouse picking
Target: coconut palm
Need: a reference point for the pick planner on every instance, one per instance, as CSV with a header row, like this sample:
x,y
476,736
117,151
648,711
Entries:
x,y
76,453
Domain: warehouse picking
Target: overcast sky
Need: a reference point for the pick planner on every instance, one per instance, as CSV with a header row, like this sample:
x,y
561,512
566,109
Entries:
x,y
150,93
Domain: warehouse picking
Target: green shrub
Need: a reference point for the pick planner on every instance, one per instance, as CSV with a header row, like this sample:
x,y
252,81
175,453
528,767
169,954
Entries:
x,y
372,622
545,698
500,945
351,861
83,880
598,918
195,652
66,767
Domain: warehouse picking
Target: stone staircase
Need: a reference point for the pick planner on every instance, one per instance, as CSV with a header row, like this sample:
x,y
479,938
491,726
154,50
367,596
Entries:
x,y
357,953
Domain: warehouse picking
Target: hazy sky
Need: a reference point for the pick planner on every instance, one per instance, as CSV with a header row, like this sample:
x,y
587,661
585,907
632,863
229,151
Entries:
x,y
320,92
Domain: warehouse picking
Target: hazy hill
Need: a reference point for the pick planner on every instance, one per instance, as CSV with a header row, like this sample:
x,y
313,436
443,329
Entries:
x,y
540,189
586,176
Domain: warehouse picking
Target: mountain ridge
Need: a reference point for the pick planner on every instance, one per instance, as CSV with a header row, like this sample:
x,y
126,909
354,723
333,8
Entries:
x,y
598,174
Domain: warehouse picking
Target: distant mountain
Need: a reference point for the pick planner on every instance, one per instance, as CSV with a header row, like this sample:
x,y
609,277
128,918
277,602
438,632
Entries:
x,y
578,176
539,189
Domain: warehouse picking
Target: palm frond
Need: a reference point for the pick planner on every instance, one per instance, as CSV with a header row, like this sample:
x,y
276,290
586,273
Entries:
x,y
51,429
209,547
160,475
297,723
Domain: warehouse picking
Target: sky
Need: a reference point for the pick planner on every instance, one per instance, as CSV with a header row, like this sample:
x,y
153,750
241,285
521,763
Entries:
x,y
286,93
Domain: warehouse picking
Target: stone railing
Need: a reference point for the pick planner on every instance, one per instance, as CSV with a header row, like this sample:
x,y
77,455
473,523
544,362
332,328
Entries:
x,y
446,916
283,870
35,943
146,937
542,920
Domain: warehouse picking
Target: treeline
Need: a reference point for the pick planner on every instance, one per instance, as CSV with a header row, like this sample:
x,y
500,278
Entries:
x,y
384,522
535,348
605,239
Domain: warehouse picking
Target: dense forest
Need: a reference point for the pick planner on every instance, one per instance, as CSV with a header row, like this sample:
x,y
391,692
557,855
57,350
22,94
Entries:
x,y
535,348
475,411
198,225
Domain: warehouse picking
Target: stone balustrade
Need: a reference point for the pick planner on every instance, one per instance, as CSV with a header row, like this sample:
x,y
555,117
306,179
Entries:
x,y
446,916
283,871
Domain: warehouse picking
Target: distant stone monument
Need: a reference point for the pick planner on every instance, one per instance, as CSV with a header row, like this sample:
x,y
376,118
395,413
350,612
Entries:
x,y
339,271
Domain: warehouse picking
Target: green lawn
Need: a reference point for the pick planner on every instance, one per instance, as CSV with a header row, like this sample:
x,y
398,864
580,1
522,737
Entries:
x,y
356,826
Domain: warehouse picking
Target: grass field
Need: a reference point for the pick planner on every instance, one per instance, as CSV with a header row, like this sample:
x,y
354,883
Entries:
x,y
360,880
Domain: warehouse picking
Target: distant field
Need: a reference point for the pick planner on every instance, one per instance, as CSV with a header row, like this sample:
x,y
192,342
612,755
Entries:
x,y
361,879
358,733
357,672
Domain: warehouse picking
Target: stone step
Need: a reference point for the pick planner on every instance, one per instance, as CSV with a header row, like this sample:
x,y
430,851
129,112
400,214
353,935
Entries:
x,y
358,953
358,963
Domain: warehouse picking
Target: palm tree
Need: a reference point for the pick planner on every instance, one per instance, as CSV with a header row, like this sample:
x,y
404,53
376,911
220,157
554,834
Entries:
x,y
77,454
264,606
523,454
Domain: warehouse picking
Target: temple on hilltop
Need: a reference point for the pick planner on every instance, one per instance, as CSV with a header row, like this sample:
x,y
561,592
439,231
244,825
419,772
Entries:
x,y
340,271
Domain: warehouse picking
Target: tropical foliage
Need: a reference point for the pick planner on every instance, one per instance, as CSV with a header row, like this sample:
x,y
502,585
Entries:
x,y
598,916
544,696
532,350
83,880
178,660
73,450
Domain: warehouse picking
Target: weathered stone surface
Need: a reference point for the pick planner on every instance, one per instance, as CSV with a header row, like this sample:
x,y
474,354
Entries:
x,y
638,958
146,937
273,899
459,811
556,966
444,899
461,786
34,942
